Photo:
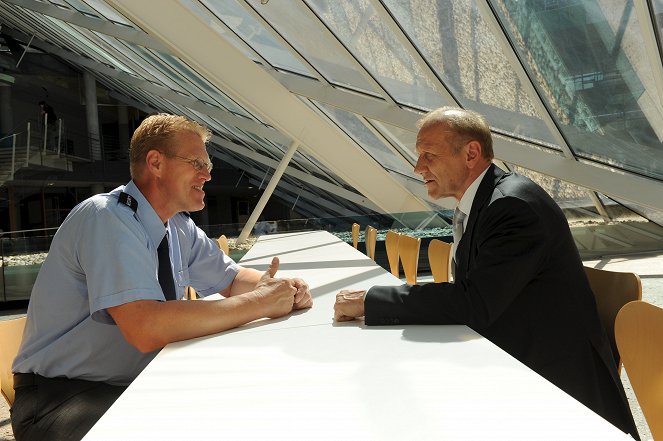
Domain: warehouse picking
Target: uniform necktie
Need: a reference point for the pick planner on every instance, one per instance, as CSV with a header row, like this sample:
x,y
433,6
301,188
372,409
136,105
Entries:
x,y
166,270
457,228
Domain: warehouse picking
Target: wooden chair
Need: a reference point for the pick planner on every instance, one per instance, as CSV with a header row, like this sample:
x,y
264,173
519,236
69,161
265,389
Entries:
x,y
191,293
612,290
11,333
408,249
370,237
639,333
222,241
439,253
355,235
391,244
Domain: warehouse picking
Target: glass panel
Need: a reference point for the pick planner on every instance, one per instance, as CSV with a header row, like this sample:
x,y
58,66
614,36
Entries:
x,y
658,14
237,19
405,140
88,47
375,147
108,12
308,36
589,62
458,44
82,7
575,201
362,31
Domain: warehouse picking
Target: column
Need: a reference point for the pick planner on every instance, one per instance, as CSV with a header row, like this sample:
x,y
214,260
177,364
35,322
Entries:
x,y
123,130
92,116
6,116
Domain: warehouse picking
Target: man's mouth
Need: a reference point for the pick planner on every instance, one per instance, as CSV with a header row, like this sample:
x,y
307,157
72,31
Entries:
x,y
198,187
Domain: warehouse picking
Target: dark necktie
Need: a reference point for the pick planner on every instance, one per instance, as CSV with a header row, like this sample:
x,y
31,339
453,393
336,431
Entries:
x,y
457,226
166,270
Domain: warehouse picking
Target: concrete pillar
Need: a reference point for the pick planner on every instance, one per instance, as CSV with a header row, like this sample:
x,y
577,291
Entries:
x,y
123,130
92,116
6,116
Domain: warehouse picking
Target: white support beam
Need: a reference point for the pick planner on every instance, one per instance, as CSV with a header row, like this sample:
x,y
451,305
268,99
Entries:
x,y
507,150
189,38
643,191
267,193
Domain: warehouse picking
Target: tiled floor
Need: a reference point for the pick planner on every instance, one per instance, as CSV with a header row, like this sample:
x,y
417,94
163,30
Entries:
x,y
649,267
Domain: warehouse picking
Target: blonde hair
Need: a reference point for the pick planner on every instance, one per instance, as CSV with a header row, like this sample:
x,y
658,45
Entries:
x,y
156,132
465,124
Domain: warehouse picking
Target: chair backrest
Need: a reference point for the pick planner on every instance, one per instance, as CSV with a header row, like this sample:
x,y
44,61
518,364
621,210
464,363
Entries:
x,y
612,290
355,234
639,332
391,244
11,333
438,258
408,249
222,241
191,293
370,238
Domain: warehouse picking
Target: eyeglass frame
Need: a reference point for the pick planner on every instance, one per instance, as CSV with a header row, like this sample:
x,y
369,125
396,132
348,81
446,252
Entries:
x,y
196,163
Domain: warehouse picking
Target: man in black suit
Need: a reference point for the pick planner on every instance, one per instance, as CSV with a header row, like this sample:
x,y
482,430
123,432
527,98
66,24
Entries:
x,y
519,280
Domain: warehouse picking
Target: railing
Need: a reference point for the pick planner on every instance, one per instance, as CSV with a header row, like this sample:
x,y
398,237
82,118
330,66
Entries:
x,y
21,255
22,252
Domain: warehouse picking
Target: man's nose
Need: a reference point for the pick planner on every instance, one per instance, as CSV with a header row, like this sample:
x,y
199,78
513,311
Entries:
x,y
418,167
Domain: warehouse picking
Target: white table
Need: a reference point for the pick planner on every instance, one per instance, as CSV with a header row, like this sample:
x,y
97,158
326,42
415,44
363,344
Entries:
x,y
306,378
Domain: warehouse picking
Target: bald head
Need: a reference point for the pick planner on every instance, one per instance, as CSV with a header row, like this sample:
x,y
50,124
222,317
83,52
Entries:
x,y
466,126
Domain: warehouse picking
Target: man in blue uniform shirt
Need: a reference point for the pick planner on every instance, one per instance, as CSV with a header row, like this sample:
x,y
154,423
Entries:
x,y
99,313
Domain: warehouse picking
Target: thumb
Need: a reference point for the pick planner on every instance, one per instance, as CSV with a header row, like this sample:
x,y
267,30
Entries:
x,y
273,267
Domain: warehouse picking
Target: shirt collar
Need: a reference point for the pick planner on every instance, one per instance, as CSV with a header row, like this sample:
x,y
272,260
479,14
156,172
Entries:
x,y
465,204
145,213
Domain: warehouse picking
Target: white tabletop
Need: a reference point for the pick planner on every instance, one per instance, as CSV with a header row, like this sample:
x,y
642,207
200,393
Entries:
x,y
306,378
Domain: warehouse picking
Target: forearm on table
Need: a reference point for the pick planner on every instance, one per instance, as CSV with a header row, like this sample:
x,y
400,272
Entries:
x,y
245,281
149,325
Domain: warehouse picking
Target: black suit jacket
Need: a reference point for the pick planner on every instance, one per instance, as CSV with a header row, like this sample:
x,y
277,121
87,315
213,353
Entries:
x,y
520,283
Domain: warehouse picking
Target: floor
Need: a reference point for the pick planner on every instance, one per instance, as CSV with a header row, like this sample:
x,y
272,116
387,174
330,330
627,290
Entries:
x,y
648,266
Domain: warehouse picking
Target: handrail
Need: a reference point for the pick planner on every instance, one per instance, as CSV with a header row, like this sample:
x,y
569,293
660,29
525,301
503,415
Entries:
x,y
2,233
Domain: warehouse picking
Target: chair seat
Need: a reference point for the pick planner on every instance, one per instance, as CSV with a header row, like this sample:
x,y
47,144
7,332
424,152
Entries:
x,y
11,334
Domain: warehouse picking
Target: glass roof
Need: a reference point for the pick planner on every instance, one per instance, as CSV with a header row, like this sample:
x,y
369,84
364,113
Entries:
x,y
581,78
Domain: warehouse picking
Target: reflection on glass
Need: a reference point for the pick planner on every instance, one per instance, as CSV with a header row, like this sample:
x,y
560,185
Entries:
x,y
457,43
575,201
250,30
589,63
108,12
368,141
363,32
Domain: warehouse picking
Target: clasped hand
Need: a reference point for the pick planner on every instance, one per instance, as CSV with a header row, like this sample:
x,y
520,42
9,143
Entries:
x,y
282,295
349,305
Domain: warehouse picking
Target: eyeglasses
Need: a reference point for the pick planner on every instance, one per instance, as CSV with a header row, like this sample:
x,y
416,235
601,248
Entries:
x,y
197,163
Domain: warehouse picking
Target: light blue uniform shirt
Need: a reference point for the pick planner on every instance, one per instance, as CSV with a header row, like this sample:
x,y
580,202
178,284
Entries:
x,y
104,254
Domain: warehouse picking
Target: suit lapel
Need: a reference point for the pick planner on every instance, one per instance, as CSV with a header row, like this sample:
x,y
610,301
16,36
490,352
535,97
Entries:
x,y
481,200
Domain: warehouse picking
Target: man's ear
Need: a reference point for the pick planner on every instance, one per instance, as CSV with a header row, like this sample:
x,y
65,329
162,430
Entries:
x,y
154,162
474,153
